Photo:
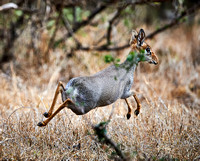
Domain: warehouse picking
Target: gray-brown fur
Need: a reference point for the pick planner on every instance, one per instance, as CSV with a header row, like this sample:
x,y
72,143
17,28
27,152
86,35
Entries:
x,y
100,89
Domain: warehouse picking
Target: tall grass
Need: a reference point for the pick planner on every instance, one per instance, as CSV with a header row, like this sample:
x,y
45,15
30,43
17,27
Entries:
x,y
168,126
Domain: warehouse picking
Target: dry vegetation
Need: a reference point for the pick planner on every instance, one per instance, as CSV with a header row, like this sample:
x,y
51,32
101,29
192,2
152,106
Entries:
x,y
167,128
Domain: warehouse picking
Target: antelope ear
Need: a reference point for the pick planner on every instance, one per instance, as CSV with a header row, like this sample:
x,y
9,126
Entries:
x,y
141,37
133,39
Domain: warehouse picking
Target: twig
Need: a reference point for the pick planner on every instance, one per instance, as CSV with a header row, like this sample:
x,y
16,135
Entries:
x,y
74,15
28,10
104,48
17,110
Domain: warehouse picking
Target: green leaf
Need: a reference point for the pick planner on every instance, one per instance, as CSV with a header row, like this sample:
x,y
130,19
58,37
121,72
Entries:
x,y
116,64
156,3
67,12
126,22
103,123
50,24
101,131
18,12
142,51
113,153
183,19
131,56
141,57
86,14
117,60
128,10
56,44
79,14
108,58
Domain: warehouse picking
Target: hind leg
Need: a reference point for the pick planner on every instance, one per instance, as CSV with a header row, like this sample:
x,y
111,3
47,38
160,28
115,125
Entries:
x,y
59,88
64,104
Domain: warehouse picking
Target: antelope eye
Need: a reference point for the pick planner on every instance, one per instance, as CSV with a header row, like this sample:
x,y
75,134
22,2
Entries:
x,y
148,50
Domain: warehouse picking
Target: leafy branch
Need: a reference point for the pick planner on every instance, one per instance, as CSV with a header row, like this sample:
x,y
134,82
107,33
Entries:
x,y
101,132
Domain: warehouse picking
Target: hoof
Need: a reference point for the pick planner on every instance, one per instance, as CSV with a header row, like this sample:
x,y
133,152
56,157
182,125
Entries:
x,y
41,124
137,112
128,116
46,114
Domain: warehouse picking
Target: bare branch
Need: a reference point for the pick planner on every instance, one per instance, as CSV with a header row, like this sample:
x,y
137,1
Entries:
x,y
70,31
117,14
79,25
74,15
104,48
27,10
174,22
98,10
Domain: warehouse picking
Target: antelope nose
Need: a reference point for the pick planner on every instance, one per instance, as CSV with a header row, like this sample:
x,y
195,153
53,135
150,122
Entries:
x,y
155,63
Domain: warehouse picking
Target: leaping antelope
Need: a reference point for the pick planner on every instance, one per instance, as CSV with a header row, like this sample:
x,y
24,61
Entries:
x,y
83,94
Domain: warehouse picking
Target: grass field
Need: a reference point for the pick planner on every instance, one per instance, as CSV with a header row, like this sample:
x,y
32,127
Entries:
x,y
168,127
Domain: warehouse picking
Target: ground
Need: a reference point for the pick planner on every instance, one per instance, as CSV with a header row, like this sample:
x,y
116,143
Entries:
x,y
168,126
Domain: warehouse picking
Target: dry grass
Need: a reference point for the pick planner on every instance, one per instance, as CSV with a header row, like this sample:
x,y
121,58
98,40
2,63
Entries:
x,y
168,126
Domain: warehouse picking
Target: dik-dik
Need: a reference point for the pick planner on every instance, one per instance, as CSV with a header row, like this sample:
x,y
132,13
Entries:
x,y
83,94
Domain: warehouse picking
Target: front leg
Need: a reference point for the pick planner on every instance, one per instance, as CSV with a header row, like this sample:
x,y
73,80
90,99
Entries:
x,y
60,88
129,109
137,111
